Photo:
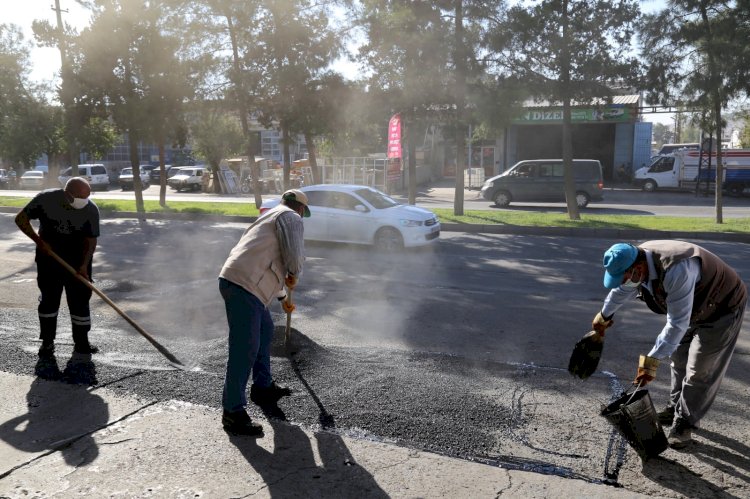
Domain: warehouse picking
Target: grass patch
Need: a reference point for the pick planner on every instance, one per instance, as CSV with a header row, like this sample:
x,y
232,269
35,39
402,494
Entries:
x,y
482,217
646,222
151,206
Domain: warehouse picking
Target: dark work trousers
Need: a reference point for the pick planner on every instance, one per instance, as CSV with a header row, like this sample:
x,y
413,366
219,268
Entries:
x,y
699,364
52,278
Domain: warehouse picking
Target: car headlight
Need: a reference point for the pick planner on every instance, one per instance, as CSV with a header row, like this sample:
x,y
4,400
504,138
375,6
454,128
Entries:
x,y
409,223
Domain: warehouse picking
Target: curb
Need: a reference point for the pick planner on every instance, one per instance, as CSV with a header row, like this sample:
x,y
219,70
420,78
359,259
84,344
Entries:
x,y
598,233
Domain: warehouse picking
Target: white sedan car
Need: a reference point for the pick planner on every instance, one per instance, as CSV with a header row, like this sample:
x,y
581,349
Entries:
x,y
364,215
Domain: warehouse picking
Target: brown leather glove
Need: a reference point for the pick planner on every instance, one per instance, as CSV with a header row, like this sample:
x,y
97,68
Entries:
x,y
288,306
290,281
646,370
600,324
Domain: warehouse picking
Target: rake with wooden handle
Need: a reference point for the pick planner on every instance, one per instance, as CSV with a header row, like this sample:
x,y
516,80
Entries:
x,y
166,353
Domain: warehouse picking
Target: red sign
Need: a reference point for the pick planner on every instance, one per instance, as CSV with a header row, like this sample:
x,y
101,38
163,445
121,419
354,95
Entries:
x,y
394,137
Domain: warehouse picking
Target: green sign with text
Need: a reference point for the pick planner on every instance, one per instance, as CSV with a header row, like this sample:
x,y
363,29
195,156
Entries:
x,y
540,116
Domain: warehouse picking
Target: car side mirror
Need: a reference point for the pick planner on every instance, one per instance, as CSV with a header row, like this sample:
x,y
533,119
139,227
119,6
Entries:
x,y
361,208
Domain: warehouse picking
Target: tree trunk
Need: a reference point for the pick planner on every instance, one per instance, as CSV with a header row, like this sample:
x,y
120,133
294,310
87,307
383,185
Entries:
x,y
312,157
719,163
411,146
162,176
567,135
460,96
243,107
137,188
285,155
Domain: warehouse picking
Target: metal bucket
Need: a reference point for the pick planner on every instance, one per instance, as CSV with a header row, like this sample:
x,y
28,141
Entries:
x,y
634,416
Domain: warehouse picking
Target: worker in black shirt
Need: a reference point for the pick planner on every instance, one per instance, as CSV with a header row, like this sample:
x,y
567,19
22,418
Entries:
x,y
69,226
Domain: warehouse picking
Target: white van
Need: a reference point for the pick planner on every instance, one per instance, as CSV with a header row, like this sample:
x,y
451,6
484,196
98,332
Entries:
x,y
96,174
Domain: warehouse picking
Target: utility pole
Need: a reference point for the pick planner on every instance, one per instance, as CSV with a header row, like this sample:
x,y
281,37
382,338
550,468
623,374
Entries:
x,y
66,93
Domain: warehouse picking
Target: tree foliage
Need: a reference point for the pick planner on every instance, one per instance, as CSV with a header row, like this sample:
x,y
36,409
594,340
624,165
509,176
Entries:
x,y
567,51
697,56
128,67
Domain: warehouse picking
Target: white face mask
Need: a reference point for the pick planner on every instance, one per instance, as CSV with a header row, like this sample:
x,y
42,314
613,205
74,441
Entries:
x,y
79,203
630,284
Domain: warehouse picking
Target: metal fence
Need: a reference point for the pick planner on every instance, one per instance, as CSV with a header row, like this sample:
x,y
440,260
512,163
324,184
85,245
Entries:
x,y
358,171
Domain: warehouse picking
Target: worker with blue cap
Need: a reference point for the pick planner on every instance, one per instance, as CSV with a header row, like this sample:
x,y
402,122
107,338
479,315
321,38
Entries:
x,y
703,299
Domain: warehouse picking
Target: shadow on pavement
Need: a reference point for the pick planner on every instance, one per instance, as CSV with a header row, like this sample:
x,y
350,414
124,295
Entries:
x,y
61,411
674,476
724,453
291,468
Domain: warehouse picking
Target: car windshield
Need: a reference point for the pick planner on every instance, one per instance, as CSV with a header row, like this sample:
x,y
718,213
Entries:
x,y
32,174
376,198
127,171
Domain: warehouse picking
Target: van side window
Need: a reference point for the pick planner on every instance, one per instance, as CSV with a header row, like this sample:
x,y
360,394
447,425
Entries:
x,y
663,165
550,170
98,170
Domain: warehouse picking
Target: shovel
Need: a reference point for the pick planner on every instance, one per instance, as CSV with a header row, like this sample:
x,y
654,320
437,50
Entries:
x,y
288,319
166,353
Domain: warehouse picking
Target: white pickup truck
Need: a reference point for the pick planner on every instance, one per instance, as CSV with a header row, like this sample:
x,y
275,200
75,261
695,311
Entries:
x,y
680,171
187,177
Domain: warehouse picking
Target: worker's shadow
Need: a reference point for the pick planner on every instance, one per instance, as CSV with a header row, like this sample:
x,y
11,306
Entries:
x,y
290,469
62,412
674,476
724,454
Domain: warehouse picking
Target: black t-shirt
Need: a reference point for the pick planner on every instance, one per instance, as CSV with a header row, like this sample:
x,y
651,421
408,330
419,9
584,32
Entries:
x,y
63,227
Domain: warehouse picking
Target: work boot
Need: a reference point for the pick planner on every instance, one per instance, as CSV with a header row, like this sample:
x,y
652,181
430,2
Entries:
x,y
239,423
86,349
47,349
666,415
681,434
269,394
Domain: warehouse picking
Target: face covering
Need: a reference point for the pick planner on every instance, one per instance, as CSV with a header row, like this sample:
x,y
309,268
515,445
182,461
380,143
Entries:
x,y
79,203
630,283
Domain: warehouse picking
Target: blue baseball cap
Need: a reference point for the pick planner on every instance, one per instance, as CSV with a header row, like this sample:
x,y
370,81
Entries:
x,y
617,260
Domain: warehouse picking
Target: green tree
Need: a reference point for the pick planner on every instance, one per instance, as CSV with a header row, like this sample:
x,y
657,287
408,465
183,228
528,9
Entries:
x,y
293,48
567,51
699,62
129,65
21,110
216,135
409,57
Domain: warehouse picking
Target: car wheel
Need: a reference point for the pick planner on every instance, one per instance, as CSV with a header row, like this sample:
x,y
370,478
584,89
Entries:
x,y
502,198
649,185
389,239
582,199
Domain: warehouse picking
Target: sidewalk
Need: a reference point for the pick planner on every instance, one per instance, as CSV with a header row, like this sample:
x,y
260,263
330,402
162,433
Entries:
x,y
64,440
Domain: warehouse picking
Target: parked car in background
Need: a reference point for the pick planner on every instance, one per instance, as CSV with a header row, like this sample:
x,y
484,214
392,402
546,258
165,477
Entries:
x,y
32,180
4,179
187,177
363,215
155,173
95,173
125,180
541,180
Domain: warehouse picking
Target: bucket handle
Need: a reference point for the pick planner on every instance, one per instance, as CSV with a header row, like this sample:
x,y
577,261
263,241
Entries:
x,y
638,387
